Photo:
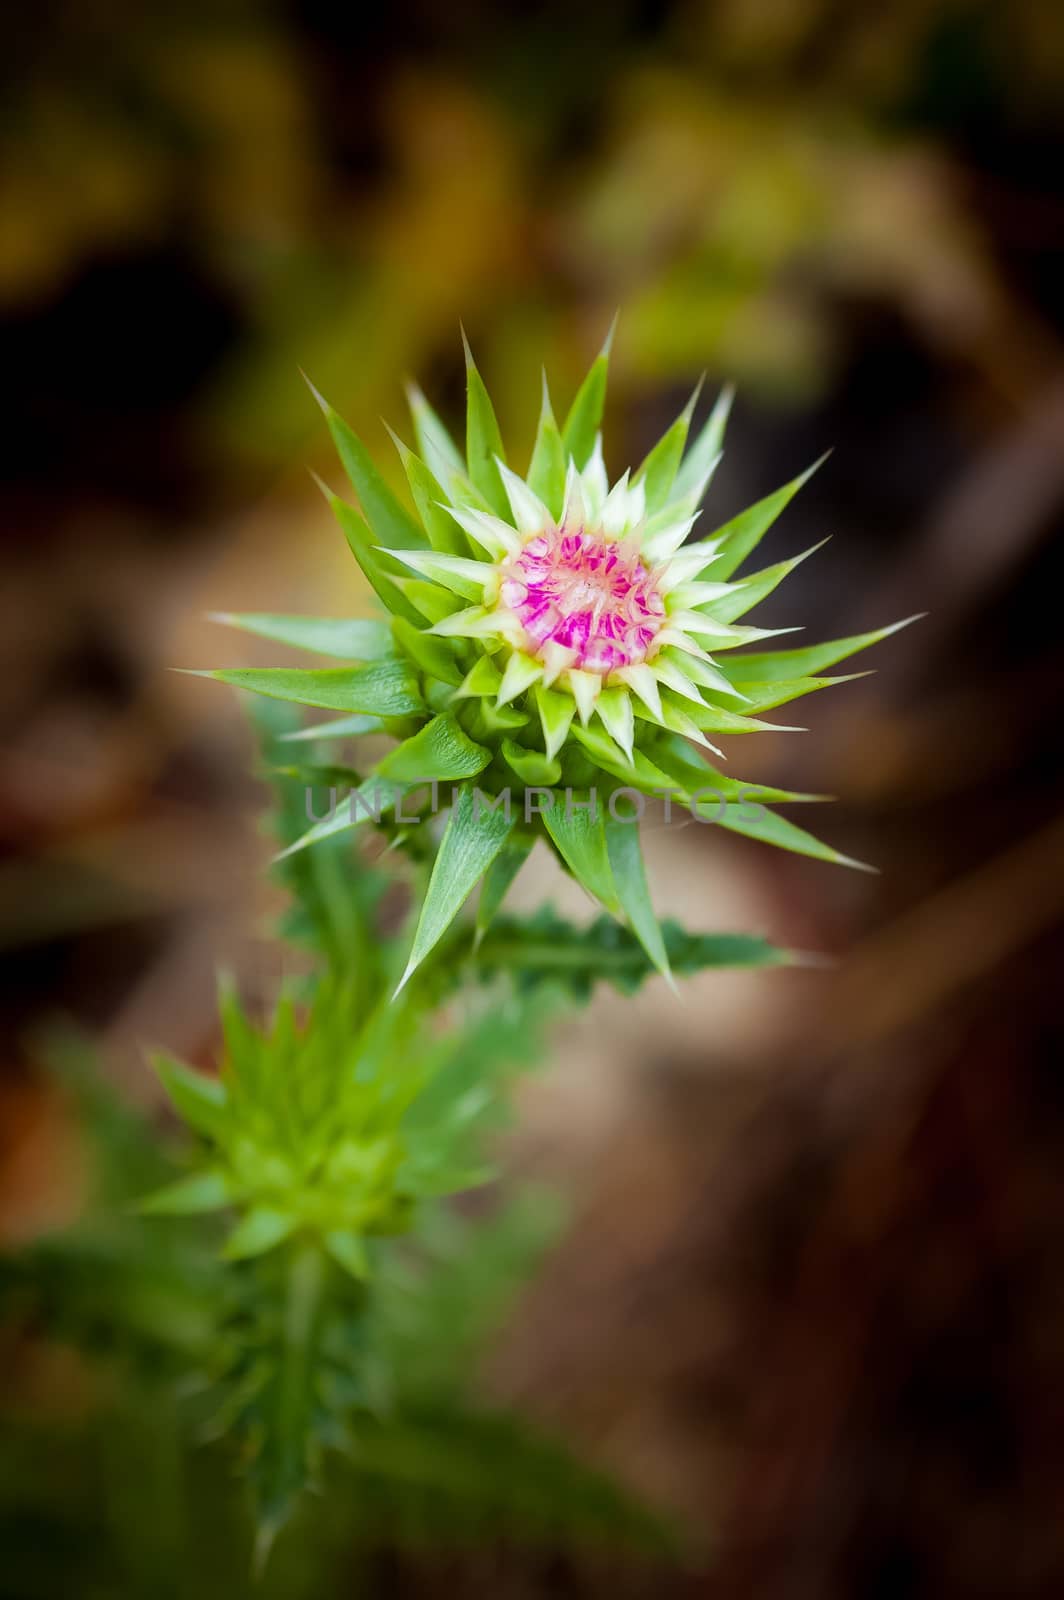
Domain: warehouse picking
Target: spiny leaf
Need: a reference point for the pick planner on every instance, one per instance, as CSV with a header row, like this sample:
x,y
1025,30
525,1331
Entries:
x,y
585,414
629,875
199,1101
546,471
755,821
531,766
699,461
473,839
556,712
441,749
499,719
483,678
348,1250
259,1230
498,878
392,526
433,438
463,575
578,831
341,728
241,1040
658,472
370,802
352,639
640,772
429,652
686,771
360,543
200,1192
718,719
428,601
384,689
483,439
770,666
768,696
757,587
545,949
444,533
744,533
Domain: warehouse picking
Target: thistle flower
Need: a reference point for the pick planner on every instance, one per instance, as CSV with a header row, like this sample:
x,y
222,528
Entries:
x,y
554,632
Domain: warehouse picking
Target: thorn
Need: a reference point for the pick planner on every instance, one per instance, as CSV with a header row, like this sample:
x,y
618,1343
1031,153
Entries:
x,y
319,397
795,561
817,959
404,450
818,463
689,409
858,866
289,850
411,968
264,1540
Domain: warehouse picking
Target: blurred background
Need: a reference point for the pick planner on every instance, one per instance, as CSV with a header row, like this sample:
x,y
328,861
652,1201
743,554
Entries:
x,y
810,1301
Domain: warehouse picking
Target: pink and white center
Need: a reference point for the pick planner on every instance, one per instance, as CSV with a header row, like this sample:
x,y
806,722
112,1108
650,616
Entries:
x,y
586,593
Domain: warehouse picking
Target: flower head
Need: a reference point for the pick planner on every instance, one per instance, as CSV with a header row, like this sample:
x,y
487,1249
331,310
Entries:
x,y
555,630
584,602
586,589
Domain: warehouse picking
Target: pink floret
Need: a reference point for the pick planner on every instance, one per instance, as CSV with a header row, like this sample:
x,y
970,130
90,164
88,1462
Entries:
x,y
586,592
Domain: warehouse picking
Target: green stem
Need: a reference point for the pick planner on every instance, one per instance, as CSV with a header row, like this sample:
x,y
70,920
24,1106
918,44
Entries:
x,y
514,954
294,1397
306,1274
